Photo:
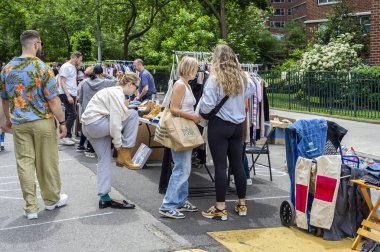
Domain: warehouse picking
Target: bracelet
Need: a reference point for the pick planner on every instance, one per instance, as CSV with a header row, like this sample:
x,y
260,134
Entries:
x,y
62,123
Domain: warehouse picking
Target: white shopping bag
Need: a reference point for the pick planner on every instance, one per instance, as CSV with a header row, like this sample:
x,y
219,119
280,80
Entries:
x,y
326,191
302,181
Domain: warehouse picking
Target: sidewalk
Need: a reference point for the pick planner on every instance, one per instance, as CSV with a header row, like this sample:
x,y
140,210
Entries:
x,y
363,137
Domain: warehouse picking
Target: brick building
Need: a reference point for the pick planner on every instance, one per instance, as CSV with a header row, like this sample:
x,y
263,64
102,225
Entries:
x,y
313,13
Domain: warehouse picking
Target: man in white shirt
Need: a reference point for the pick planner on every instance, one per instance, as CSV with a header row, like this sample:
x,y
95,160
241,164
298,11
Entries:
x,y
68,93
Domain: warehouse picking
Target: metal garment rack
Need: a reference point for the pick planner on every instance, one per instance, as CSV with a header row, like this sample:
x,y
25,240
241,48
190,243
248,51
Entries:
x,y
204,54
118,61
200,56
250,68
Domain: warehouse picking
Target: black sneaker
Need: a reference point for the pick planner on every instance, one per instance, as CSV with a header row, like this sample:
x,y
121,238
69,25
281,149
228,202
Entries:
x,y
81,148
174,214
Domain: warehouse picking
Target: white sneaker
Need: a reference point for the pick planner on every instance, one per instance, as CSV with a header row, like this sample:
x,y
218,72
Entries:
x,y
232,179
75,140
67,141
90,154
61,202
249,181
30,216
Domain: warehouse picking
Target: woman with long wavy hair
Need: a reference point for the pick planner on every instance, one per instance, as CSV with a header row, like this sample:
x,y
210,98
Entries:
x,y
226,127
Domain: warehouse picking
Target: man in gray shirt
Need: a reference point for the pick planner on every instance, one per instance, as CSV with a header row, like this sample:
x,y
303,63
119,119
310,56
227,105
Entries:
x,y
147,87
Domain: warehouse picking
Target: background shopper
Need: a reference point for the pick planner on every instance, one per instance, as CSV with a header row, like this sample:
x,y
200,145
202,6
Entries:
x,y
68,94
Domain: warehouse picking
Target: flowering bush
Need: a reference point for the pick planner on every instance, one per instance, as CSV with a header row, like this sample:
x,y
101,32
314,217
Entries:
x,y
339,54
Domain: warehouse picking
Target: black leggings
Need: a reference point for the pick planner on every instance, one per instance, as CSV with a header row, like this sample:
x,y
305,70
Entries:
x,y
225,139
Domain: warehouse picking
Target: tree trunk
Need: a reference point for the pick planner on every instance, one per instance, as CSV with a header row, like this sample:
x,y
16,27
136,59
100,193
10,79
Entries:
x,y
219,11
126,47
223,21
69,45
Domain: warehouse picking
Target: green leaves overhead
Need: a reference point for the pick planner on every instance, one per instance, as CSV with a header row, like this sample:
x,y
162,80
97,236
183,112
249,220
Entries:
x,y
148,29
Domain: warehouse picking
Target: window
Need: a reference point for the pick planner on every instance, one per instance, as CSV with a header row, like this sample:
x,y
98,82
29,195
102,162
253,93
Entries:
x,y
290,1
277,1
289,12
328,1
279,12
277,24
365,22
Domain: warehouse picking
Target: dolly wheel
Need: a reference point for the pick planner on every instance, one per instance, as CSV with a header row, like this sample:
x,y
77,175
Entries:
x,y
287,213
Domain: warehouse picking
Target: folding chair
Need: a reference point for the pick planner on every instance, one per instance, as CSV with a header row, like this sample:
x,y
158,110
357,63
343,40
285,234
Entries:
x,y
253,149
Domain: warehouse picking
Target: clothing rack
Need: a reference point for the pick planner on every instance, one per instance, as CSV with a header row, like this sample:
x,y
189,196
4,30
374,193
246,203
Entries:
x,y
204,58
118,61
250,68
202,54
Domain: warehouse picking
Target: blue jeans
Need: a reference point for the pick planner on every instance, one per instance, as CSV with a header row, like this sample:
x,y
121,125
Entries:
x,y
2,137
245,164
178,188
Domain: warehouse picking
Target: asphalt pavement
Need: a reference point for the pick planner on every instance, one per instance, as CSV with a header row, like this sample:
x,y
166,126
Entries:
x,y
81,226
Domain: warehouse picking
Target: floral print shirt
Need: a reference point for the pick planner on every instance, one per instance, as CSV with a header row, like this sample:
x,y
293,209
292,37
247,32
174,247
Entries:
x,y
28,84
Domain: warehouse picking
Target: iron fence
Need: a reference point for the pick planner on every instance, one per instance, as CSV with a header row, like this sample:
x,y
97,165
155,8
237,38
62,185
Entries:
x,y
336,93
161,78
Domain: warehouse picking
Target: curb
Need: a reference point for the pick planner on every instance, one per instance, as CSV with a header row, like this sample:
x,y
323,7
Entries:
x,y
368,155
330,116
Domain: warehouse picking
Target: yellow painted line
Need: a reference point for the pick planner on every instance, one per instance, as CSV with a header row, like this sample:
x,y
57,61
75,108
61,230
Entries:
x,y
278,239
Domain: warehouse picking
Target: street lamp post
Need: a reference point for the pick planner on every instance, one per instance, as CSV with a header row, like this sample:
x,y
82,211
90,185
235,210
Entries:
x,y
98,31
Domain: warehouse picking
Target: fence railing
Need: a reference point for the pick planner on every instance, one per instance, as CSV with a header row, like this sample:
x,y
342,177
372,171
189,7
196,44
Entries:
x,y
161,78
335,93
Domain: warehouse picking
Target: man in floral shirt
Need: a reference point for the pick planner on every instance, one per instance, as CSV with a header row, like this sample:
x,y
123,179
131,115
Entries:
x,y
30,100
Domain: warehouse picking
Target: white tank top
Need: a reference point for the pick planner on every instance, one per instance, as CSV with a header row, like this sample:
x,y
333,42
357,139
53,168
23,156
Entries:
x,y
188,101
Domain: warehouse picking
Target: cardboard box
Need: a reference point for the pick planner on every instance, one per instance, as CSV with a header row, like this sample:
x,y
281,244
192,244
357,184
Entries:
x,y
279,123
143,137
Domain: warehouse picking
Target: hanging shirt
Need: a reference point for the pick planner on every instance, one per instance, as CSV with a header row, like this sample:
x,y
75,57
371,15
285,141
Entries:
x,y
258,87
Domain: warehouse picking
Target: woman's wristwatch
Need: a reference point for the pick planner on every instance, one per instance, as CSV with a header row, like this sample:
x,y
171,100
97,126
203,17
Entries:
x,y
62,123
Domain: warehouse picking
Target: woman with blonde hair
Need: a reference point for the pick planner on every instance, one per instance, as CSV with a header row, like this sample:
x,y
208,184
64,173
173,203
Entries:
x,y
182,104
107,118
226,126
88,88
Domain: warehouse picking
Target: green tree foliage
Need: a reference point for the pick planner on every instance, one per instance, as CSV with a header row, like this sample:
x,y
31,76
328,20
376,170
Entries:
x,y
135,17
219,9
341,21
186,29
245,25
12,23
149,29
295,35
56,22
272,51
84,42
